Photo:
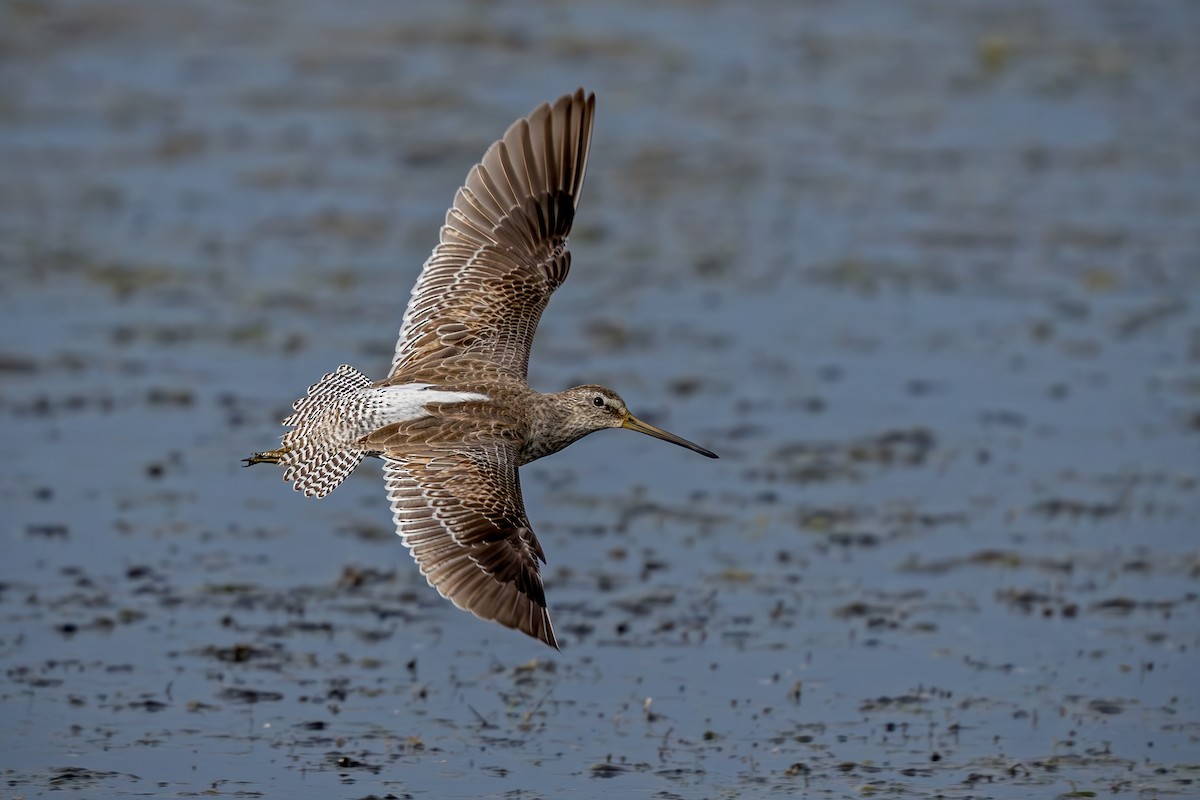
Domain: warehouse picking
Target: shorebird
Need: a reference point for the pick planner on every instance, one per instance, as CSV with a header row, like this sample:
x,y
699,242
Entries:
x,y
455,419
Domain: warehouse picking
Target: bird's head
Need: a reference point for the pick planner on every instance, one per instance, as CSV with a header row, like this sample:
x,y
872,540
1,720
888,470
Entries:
x,y
597,407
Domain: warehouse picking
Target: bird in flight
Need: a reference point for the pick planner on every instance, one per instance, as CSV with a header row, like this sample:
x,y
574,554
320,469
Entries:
x,y
455,419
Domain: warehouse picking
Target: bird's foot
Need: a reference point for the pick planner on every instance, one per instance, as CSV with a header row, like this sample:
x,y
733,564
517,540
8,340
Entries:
x,y
269,457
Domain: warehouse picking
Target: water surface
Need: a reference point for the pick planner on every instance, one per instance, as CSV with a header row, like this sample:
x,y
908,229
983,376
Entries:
x,y
925,275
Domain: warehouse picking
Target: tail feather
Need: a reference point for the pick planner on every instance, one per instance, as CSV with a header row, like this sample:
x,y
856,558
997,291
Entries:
x,y
315,458
342,381
319,470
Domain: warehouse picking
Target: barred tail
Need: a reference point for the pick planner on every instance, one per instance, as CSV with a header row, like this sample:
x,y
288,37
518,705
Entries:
x,y
315,458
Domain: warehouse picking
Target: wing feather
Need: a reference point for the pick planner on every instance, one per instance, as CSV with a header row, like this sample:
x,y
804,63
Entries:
x,y
502,251
460,514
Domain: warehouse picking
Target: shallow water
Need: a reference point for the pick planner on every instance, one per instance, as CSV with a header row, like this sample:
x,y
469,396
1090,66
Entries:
x,y
924,275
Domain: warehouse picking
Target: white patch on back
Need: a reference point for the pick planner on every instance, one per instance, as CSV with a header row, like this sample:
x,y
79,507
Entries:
x,y
391,404
339,422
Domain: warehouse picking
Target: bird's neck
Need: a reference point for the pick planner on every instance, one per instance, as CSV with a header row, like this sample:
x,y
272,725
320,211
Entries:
x,y
550,427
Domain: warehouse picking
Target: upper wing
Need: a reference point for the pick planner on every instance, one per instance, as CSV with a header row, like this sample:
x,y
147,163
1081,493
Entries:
x,y
461,516
503,246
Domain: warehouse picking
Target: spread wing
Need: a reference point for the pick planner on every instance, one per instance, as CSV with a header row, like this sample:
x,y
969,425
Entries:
x,y
461,516
503,246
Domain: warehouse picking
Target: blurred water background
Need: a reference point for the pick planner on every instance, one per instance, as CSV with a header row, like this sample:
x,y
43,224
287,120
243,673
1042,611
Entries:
x,y
925,275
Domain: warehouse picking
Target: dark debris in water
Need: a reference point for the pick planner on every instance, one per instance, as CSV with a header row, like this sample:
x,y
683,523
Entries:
x,y
611,769
1076,509
236,694
83,778
243,652
349,762
805,463
1001,559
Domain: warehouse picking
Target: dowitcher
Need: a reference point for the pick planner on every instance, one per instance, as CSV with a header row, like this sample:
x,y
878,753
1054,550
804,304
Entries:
x,y
454,419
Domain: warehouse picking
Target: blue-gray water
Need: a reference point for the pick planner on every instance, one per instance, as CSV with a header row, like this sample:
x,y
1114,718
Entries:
x,y
926,276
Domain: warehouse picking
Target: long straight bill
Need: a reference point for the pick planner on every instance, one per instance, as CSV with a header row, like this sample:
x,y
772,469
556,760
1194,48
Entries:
x,y
635,424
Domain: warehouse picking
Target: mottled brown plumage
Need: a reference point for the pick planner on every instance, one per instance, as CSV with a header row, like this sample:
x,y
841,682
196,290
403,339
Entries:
x,y
455,419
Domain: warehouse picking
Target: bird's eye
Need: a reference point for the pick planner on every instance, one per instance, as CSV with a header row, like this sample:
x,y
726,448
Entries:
x,y
598,401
